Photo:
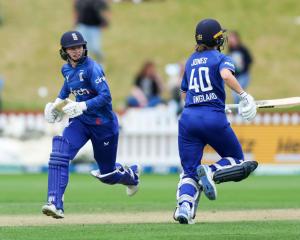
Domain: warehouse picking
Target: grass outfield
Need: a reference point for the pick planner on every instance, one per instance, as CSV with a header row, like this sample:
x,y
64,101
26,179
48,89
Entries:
x,y
274,230
25,194
158,30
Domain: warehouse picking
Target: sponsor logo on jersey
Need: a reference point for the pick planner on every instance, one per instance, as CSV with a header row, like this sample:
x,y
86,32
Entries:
x,y
204,98
229,64
100,79
80,91
81,75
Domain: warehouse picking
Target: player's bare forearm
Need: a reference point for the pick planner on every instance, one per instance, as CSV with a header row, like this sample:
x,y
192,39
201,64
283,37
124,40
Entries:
x,y
231,81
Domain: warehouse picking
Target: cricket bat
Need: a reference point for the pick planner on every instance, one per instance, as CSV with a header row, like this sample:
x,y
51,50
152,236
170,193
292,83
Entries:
x,y
272,103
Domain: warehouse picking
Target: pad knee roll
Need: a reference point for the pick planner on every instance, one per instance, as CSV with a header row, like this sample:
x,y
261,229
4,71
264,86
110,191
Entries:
x,y
60,152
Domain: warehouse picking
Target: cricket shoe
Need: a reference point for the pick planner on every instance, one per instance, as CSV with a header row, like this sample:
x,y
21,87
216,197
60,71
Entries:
x,y
176,212
183,214
50,210
207,182
134,170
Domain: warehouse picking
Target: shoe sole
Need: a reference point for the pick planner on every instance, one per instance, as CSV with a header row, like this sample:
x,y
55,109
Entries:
x,y
182,219
50,213
208,187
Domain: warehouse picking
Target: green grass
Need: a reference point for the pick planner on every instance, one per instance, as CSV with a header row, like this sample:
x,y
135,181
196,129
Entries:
x,y
273,230
158,30
24,194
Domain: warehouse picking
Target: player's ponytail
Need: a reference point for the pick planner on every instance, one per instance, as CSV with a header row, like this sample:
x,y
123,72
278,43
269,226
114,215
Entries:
x,y
202,47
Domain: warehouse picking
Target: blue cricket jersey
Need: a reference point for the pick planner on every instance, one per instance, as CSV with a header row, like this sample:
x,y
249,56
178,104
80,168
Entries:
x,y
87,83
202,81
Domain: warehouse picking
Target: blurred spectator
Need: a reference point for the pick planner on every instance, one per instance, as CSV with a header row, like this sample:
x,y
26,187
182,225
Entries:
x,y
91,16
147,88
175,73
1,88
242,59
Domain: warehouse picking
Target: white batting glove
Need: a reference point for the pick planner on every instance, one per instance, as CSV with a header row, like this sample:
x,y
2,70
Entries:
x,y
74,109
247,106
227,110
51,114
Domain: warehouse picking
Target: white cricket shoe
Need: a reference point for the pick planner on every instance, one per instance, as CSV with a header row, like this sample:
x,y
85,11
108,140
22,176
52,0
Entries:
x,y
95,173
183,214
207,182
135,172
50,210
131,190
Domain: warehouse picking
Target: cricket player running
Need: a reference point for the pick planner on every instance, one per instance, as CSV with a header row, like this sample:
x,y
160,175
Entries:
x,y
203,121
90,118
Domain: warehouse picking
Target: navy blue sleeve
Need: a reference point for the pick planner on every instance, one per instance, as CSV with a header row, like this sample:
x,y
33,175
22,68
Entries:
x,y
64,92
99,83
184,83
227,63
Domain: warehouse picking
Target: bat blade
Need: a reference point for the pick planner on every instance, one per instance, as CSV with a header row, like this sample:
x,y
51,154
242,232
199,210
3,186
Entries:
x,y
272,103
279,103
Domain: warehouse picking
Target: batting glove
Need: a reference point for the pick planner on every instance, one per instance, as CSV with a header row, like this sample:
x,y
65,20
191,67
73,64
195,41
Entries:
x,y
247,106
74,109
51,114
227,110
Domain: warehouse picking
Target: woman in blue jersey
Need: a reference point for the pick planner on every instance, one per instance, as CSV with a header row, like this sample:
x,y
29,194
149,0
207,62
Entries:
x,y
91,118
203,121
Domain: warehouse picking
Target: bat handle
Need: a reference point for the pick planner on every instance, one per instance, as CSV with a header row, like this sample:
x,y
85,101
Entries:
x,y
232,106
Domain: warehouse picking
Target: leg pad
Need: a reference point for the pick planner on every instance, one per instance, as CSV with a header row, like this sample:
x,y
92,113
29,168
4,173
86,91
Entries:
x,y
235,173
188,190
121,175
58,173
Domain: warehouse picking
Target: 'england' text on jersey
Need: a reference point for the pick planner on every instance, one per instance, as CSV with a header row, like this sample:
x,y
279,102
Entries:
x,y
202,81
204,98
